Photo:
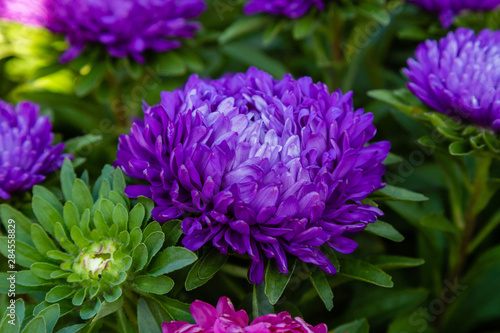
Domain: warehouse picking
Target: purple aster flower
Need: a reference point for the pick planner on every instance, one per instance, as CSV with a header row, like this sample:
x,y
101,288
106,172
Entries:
x,y
225,319
30,12
125,27
448,9
262,166
459,76
290,8
26,151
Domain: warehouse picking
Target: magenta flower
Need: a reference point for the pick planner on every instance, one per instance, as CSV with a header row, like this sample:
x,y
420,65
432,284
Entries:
x,y
263,167
26,151
290,8
124,27
448,9
459,75
225,319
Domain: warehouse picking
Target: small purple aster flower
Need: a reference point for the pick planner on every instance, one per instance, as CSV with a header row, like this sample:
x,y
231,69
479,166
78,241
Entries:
x,y
125,27
264,167
224,318
26,151
459,76
448,9
289,8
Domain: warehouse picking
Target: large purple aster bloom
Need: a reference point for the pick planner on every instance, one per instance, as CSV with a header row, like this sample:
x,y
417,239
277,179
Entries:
x,y
290,8
459,76
125,27
26,151
448,9
263,167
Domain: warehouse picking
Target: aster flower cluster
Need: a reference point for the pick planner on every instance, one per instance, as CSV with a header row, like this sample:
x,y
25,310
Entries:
x,y
264,167
291,9
26,150
459,76
447,10
224,318
125,27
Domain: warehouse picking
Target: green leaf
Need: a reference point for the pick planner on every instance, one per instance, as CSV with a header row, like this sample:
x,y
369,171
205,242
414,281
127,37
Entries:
x,y
77,236
108,308
193,281
439,222
75,145
357,326
139,257
158,285
211,264
5,326
72,328
100,223
63,240
276,281
363,271
145,319
393,159
48,196
43,270
81,196
46,214
304,27
28,279
79,297
153,243
398,193
59,292
136,216
71,215
243,26
320,283
43,243
23,224
68,178
26,255
177,310
173,231
249,55
171,64
398,99
51,315
36,325
385,230
148,204
112,295
90,309
89,82
260,303
171,259
393,262
120,217
58,255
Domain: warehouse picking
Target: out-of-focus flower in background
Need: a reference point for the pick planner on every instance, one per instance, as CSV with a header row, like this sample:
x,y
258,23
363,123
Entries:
x,y
459,76
262,166
124,27
289,8
448,9
26,150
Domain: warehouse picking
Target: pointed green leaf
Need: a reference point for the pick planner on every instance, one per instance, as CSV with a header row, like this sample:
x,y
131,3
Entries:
x,y
171,259
78,238
36,325
398,193
59,292
43,243
71,215
51,315
43,270
276,281
26,255
173,231
153,243
145,319
139,258
68,178
158,285
46,214
23,224
120,216
385,230
100,223
63,239
357,326
363,271
136,216
320,283
81,196
211,264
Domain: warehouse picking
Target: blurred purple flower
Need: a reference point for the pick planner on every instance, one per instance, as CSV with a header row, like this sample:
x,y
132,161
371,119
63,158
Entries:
x,y
448,9
264,167
125,27
290,8
26,151
459,76
225,319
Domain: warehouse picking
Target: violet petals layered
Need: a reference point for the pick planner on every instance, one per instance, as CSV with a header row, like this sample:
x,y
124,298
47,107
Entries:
x,y
448,9
258,166
26,150
124,27
459,75
290,8
224,318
